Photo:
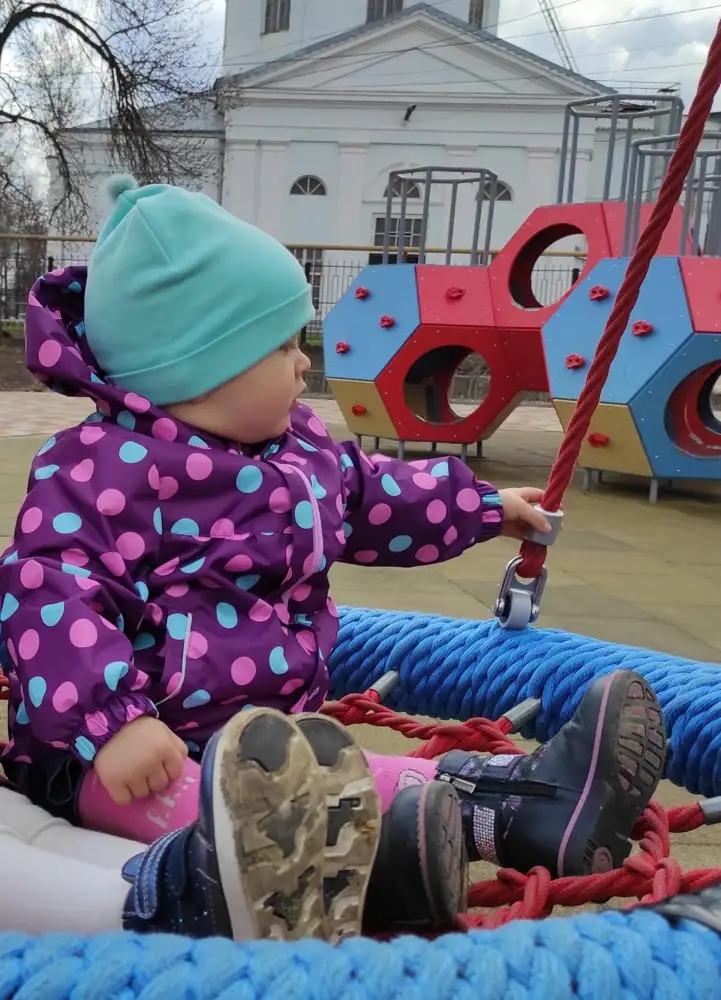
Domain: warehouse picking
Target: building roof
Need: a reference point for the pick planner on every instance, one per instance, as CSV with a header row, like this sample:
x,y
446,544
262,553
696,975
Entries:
x,y
433,11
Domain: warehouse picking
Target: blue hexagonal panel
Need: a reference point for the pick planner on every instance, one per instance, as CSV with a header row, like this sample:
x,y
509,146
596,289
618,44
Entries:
x,y
576,328
658,424
356,322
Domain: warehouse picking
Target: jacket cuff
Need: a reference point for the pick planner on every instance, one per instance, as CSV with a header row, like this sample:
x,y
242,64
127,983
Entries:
x,y
100,726
491,512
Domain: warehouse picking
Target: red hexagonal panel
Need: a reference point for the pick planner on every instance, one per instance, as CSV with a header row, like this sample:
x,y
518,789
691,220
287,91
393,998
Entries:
x,y
702,282
454,295
670,246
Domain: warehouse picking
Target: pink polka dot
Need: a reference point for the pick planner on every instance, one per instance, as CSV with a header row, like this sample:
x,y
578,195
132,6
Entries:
x,y
97,724
197,646
420,463
279,501
50,353
154,613
91,433
307,641
424,481
113,562
167,568
340,535
31,520
468,500
377,459
260,612
32,575
450,536
340,504
174,684
301,592
493,517
428,554
66,697
131,545
23,759
136,403
239,564
332,609
85,583
436,511
380,514
83,471
75,557
293,459
366,557
111,502
199,466
177,589
317,427
154,477
11,650
83,634
141,679
310,565
282,613
222,528
132,712
28,644
243,671
292,685
108,624
165,429
167,487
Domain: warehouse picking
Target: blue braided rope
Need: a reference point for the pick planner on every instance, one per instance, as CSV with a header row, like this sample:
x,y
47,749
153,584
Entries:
x,y
456,669
608,956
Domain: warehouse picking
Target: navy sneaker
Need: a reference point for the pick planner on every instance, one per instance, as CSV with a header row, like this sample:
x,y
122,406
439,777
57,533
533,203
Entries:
x,y
572,804
250,865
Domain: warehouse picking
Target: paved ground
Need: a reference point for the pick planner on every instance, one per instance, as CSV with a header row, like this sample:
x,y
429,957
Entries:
x,y
623,570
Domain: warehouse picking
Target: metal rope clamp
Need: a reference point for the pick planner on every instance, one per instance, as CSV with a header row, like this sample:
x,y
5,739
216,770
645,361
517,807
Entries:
x,y
519,601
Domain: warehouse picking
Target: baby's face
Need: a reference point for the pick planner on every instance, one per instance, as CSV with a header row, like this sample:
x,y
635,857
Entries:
x,y
254,406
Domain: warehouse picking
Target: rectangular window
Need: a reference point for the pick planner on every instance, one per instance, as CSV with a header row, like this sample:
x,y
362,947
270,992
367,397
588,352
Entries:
x,y
277,16
378,9
312,261
413,231
475,14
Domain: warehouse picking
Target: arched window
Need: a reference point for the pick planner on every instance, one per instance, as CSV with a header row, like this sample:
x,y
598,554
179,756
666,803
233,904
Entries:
x,y
412,189
308,185
503,191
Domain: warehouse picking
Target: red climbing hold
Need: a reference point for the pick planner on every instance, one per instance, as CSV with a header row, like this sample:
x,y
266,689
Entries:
x,y
362,293
598,440
387,322
575,361
341,347
455,293
359,410
641,328
598,293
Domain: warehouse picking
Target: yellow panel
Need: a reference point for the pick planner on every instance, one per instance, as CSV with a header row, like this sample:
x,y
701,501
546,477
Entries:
x,y
624,451
375,422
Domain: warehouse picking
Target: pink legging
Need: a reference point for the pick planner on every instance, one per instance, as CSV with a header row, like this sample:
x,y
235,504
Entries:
x,y
147,819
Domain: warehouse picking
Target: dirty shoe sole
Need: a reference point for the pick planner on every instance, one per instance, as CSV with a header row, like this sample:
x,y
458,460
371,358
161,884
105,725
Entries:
x,y
627,762
270,832
354,823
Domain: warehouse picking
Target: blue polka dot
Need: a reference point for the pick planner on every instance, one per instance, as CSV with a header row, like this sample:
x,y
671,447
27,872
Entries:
x,y
440,470
80,329
346,462
120,623
192,746
318,491
304,514
114,673
67,524
277,661
347,529
8,608
46,471
126,419
185,526
193,567
21,716
13,557
96,378
37,688
322,563
85,748
158,520
51,442
271,450
75,286
197,698
306,446
249,479
177,626
197,442
390,486
247,708
52,613
95,418
227,615
74,570
131,453
247,582
302,620
144,640
142,589
400,543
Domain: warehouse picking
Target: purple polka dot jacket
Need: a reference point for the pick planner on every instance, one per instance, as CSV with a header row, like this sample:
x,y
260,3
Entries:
x,y
158,570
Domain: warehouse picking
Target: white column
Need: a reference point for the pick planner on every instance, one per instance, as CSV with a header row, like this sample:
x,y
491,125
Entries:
x,y
241,179
349,201
272,187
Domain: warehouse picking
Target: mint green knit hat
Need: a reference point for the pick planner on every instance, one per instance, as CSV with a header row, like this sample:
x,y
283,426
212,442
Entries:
x,y
181,296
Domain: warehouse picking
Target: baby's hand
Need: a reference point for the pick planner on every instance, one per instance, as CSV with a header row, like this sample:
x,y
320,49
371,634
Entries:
x,y
518,515
141,758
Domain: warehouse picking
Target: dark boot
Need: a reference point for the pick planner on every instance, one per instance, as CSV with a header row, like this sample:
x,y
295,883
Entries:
x,y
250,865
570,806
419,876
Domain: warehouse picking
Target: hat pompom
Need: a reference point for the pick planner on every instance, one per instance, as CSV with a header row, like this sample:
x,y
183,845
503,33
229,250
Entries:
x,y
119,184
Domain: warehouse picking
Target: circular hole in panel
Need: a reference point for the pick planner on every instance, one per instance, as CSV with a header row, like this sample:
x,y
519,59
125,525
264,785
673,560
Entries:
x,y
536,281
446,385
693,413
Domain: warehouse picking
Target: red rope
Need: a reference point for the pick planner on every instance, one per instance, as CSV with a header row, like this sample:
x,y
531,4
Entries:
x,y
534,555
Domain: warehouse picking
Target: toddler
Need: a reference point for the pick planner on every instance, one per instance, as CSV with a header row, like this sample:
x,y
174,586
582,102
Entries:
x,y
170,567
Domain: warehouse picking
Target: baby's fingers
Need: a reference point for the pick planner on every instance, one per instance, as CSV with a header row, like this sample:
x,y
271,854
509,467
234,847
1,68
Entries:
x,y
533,518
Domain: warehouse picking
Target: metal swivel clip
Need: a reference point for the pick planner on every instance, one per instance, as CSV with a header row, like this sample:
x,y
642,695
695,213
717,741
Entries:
x,y
519,601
